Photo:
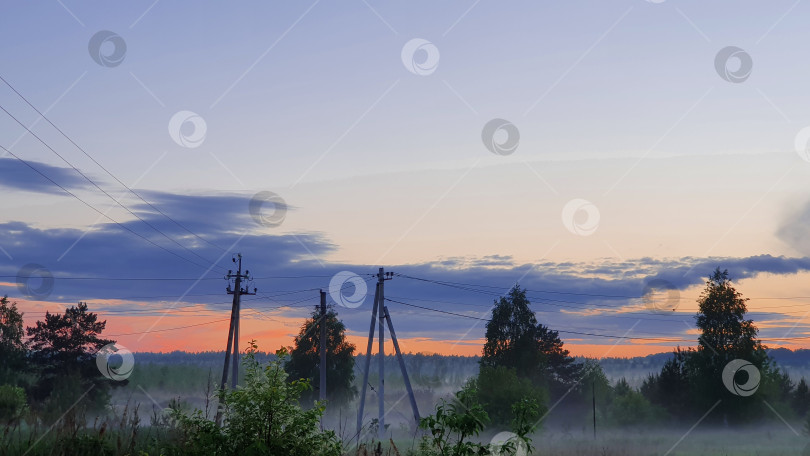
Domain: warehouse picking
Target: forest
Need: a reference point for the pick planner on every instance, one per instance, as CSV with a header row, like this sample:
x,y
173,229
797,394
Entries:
x,y
64,391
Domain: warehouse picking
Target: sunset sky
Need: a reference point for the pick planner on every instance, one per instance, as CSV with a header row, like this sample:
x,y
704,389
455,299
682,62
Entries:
x,y
589,151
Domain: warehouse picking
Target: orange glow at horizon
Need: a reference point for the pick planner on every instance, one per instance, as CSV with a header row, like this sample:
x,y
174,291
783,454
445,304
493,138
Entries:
x,y
195,328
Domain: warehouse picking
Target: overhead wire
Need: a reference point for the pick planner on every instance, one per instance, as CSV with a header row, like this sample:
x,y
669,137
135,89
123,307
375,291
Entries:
x,y
116,201
556,330
104,214
42,115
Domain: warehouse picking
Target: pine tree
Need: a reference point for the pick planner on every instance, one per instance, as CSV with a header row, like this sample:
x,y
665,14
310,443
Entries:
x,y
515,340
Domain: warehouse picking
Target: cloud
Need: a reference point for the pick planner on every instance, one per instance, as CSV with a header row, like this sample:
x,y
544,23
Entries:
x,y
18,176
794,229
601,297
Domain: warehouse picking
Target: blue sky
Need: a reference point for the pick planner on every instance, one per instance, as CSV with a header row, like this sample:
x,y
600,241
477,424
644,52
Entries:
x,y
618,104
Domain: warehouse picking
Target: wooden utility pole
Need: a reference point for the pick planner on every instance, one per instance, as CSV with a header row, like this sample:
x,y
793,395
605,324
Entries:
x,y
323,342
233,331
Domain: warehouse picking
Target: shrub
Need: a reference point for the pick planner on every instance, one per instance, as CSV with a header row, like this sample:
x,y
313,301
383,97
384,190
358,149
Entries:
x,y
630,407
499,388
13,406
261,417
453,424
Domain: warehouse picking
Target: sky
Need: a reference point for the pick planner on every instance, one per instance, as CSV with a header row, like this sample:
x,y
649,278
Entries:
x,y
592,152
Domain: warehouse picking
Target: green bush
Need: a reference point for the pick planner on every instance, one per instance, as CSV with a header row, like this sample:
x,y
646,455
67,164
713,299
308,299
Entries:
x,y
630,407
13,405
499,388
262,417
453,424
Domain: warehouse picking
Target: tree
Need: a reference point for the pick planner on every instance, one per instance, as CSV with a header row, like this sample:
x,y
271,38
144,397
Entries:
x,y
12,347
670,388
801,398
721,319
305,358
63,348
629,407
726,335
514,339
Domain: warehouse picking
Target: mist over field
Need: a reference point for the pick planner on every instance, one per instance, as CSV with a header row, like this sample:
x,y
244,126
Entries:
x,y
183,376
369,228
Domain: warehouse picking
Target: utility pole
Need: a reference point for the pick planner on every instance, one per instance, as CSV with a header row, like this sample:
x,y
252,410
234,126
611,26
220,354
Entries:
x,y
379,314
381,278
402,366
367,363
233,331
322,343
593,392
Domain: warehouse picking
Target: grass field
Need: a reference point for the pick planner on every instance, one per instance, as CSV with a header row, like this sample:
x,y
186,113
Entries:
x,y
773,441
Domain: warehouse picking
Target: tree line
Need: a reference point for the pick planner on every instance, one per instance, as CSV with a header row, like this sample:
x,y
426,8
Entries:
x,y
526,377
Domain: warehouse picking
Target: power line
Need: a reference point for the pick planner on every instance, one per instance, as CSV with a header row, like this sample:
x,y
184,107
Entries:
x,y
104,191
472,287
102,167
660,339
175,278
126,278
559,331
167,329
102,213
545,310
585,306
